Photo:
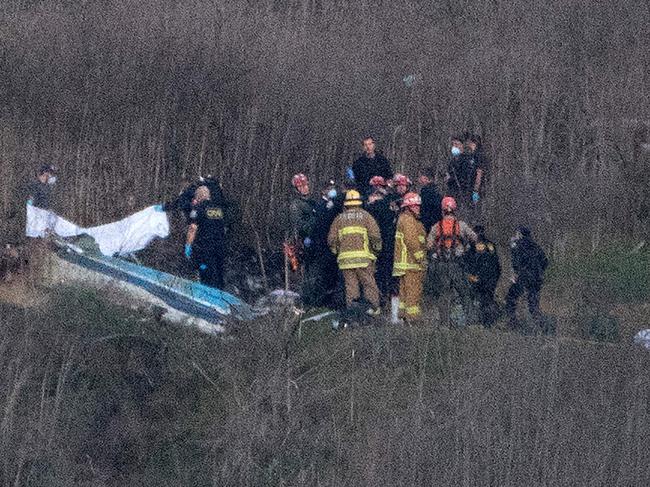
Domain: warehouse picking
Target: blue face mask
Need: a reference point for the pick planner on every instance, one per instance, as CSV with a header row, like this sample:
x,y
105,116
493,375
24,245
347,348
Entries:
x,y
51,180
455,151
331,194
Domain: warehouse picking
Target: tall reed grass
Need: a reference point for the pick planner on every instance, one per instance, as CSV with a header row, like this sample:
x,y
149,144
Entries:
x,y
129,97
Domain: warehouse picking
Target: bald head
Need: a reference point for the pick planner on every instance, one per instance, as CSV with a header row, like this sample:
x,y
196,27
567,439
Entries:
x,y
202,193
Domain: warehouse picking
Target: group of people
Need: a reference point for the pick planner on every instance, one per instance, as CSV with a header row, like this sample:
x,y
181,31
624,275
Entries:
x,y
388,239
383,240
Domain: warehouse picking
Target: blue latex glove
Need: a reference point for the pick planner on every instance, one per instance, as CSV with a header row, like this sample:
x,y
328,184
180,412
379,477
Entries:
x,y
30,202
203,267
409,80
307,242
349,173
188,250
475,197
159,208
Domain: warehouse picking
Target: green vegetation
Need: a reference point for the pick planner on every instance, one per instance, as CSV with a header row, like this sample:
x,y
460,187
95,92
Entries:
x,y
96,395
617,273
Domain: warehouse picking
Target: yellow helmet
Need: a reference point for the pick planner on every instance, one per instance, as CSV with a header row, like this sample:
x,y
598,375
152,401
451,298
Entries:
x,y
352,198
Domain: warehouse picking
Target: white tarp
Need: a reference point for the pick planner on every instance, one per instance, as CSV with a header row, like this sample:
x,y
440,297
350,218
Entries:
x,y
128,235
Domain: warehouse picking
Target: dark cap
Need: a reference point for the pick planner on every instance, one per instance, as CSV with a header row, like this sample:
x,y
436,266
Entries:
x,y
47,168
456,138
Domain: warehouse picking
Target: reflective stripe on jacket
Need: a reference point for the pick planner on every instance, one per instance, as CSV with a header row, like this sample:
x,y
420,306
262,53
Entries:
x,y
355,239
410,245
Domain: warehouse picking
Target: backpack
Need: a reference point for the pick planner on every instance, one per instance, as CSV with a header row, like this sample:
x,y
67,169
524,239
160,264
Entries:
x,y
448,235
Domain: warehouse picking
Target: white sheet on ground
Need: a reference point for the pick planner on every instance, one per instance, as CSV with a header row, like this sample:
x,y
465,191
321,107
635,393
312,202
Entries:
x,y
128,235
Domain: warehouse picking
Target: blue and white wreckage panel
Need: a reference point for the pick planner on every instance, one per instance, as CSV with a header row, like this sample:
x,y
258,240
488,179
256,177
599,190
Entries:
x,y
185,301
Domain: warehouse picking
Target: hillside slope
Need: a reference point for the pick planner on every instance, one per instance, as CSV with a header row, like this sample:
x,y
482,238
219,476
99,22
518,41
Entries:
x,y
96,395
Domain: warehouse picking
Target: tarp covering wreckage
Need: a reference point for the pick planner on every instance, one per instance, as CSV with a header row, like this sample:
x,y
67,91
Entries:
x,y
124,237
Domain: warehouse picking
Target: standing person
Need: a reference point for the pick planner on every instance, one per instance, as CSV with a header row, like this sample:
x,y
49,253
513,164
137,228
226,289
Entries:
x,y
39,191
410,262
431,211
301,210
447,240
484,269
379,206
477,165
454,178
464,176
528,264
206,239
183,201
39,195
356,240
301,220
369,164
321,270
402,184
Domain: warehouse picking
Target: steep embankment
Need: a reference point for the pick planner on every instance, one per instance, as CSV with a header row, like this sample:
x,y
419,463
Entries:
x,y
93,394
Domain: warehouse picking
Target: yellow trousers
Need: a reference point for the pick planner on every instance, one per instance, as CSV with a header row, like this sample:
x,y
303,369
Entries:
x,y
361,278
410,294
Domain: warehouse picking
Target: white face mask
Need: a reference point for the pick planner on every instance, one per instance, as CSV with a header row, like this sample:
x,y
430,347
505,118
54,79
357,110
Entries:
x,y
51,180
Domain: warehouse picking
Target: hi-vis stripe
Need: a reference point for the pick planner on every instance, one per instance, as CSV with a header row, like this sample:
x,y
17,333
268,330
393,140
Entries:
x,y
355,254
410,310
403,264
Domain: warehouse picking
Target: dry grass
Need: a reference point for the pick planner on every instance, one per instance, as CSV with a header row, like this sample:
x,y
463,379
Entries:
x,y
96,395
129,97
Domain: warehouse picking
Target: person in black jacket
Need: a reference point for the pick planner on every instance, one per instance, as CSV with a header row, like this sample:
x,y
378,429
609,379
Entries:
x,y
528,264
431,209
465,173
39,191
321,270
381,206
183,201
370,164
206,238
483,271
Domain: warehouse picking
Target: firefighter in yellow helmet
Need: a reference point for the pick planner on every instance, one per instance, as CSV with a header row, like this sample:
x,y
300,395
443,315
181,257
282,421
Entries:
x,y
410,261
355,240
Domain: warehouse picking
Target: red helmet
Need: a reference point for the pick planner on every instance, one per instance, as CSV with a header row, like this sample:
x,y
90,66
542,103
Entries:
x,y
401,180
377,181
411,199
449,204
299,180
